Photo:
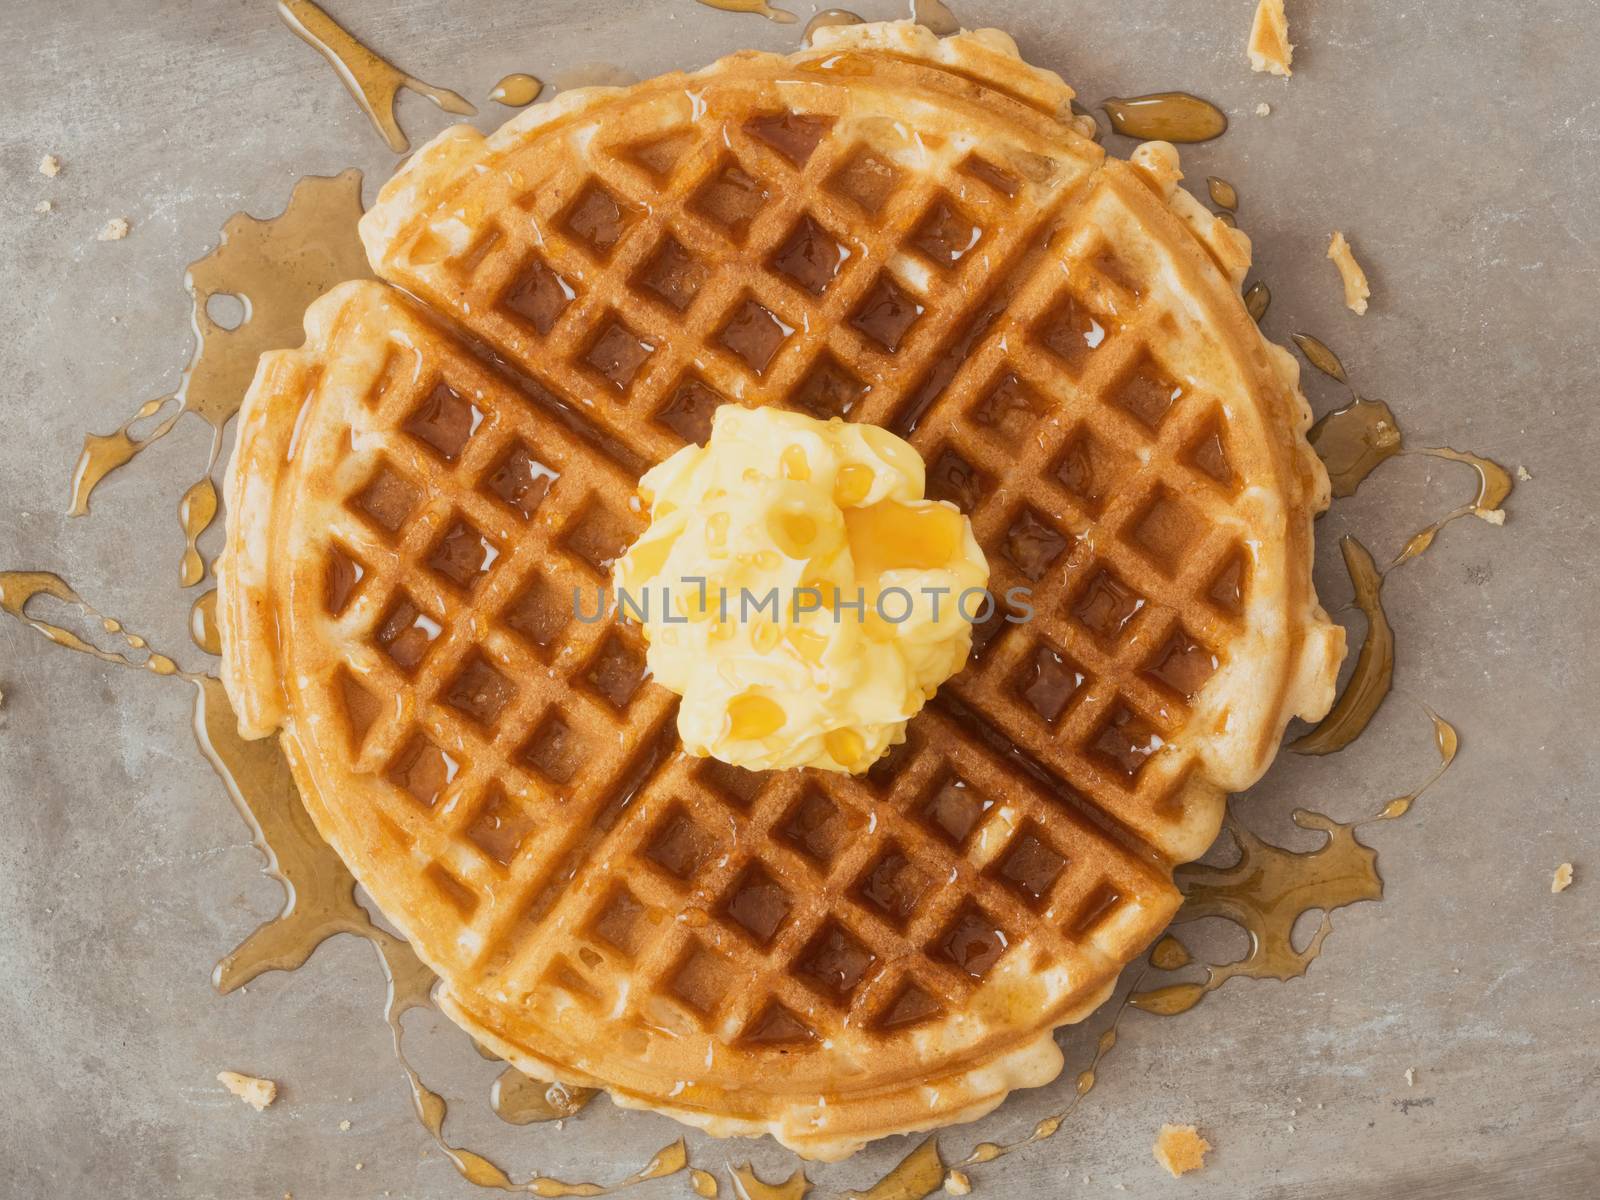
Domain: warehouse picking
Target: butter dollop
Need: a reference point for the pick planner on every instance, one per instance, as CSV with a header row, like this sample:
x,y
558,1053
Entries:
x,y
798,591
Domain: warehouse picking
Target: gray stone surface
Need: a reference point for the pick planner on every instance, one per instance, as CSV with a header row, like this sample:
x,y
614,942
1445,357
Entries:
x,y
1459,146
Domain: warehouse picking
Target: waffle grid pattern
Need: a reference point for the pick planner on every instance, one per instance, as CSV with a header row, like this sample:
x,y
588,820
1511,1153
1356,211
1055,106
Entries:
x,y
774,232
808,901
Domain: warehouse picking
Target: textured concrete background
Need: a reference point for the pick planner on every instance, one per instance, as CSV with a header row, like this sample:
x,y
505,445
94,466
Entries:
x,y
1458,143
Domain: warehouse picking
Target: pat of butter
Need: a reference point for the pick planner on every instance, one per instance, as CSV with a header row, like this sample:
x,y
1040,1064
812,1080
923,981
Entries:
x,y
798,591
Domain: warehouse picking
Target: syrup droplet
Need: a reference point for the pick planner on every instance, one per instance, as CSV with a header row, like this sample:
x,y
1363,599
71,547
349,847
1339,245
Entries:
x,y
373,80
935,16
1223,194
1169,954
516,90
1320,357
1166,117
1257,299
827,19
196,511
203,623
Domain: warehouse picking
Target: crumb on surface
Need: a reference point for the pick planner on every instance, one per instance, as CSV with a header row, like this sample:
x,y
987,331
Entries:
x,y
344,1126
50,165
1523,473
1562,879
957,1183
1180,1149
1411,1077
1351,275
1263,109
1495,516
1269,48
43,206
257,1093
360,1166
114,230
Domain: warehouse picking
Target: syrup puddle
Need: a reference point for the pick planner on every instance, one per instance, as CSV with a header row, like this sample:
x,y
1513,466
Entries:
x,y
276,268
918,1174
1166,116
371,79
1268,888
518,1099
750,1186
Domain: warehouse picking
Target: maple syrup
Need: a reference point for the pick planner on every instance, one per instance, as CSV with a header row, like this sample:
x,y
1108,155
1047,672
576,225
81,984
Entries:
x,y
750,1186
935,15
760,7
1223,194
1355,440
516,90
371,79
1166,117
520,1099
203,623
277,267
829,18
918,1174
1257,299
1373,674
1267,889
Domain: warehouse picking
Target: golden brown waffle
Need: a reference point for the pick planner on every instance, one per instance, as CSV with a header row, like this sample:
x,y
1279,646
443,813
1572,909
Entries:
x,y
889,228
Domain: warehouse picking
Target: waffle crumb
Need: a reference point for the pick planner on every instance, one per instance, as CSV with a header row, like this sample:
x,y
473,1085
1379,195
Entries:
x,y
1523,473
257,1093
1263,109
344,1126
957,1183
50,165
114,230
1411,1077
1269,47
1180,1149
361,1166
1562,879
43,206
1353,277
1495,516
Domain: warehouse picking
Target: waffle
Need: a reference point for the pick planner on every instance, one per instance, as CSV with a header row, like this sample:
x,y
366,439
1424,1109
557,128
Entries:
x,y
889,228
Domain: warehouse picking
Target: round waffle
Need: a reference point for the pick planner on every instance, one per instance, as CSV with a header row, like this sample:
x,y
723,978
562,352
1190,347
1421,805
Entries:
x,y
888,228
